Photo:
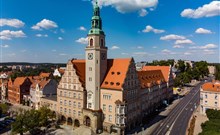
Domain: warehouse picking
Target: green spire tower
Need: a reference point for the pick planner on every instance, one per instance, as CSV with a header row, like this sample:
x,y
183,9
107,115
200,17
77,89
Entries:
x,y
96,60
96,22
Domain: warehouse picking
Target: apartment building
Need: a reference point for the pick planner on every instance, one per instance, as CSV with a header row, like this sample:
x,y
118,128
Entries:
x,y
210,96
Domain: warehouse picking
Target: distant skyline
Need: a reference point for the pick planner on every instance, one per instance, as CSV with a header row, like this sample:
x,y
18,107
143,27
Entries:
x,y
55,31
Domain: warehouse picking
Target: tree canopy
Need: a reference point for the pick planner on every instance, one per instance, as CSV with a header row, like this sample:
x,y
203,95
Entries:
x,y
212,126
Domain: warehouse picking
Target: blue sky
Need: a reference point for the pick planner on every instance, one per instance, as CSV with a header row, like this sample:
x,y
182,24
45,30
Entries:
x,y
55,31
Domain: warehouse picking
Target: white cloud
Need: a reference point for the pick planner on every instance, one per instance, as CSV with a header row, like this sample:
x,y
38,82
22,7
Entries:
x,y
151,29
167,52
124,6
154,47
11,54
208,46
40,35
172,37
60,38
54,50
4,46
62,30
114,47
23,51
140,53
82,40
187,53
11,22
124,53
44,24
63,54
203,31
143,12
82,28
140,47
185,41
208,52
178,46
207,10
8,35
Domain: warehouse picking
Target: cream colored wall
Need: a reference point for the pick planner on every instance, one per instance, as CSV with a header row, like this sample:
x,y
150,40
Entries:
x,y
68,86
211,99
115,95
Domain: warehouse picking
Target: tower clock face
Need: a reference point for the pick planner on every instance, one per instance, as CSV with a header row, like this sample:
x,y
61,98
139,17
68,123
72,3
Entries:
x,y
90,56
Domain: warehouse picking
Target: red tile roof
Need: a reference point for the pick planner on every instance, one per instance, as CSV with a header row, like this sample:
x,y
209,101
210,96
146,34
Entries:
x,y
164,69
19,81
150,78
116,73
44,75
80,65
211,86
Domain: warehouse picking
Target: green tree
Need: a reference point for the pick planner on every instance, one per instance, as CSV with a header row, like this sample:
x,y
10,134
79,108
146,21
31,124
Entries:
x,y
4,108
19,126
32,120
212,126
217,73
0,112
181,66
45,115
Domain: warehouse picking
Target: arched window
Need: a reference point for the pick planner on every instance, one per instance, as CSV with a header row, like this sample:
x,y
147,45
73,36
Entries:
x,y
102,42
91,42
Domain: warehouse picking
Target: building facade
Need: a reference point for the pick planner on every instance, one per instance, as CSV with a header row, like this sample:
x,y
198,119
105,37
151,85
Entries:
x,y
210,96
17,89
108,94
43,88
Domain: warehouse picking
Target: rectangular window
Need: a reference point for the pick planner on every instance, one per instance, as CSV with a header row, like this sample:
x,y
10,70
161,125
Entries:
x,y
79,96
206,96
65,102
74,104
89,105
61,93
64,110
79,113
216,103
110,118
69,111
74,112
61,109
69,94
216,96
69,103
90,79
206,102
110,108
90,68
79,105
74,95
61,101
104,107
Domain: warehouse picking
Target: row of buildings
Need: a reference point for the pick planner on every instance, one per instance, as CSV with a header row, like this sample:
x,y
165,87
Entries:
x,y
101,93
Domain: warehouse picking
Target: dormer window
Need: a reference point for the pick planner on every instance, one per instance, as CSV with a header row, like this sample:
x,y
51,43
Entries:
x,y
91,42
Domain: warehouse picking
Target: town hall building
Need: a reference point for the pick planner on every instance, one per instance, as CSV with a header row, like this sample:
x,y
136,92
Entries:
x,y
107,94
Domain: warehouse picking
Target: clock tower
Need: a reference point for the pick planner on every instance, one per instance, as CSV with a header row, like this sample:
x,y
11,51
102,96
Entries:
x,y
96,60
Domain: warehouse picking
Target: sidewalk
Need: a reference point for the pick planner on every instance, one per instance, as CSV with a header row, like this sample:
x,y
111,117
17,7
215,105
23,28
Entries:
x,y
200,118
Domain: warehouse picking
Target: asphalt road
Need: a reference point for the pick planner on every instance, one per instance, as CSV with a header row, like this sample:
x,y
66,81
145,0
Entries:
x,y
177,120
